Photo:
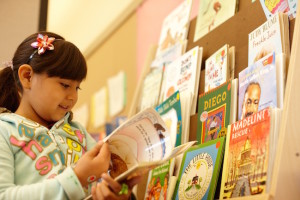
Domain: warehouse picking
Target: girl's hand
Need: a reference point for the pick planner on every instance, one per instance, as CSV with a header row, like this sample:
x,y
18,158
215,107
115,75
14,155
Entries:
x,y
108,188
93,163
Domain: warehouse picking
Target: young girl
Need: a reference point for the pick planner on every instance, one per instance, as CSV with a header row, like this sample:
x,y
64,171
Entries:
x,y
39,142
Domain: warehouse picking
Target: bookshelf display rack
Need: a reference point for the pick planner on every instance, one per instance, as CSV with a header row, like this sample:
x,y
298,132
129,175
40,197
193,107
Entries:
x,y
286,173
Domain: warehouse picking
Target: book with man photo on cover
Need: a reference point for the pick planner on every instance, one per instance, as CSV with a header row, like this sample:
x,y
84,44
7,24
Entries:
x,y
262,85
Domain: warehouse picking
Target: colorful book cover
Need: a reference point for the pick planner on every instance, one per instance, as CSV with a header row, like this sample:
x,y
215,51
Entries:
x,y
200,170
211,14
214,112
264,40
170,112
158,181
246,158
272,7
217,69
175,26
258,86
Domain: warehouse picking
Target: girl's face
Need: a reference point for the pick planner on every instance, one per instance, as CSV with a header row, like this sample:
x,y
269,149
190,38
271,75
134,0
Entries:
x,y
50,98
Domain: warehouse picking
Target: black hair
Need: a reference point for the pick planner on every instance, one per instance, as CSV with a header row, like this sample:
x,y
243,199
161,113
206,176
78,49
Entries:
x,y
65,61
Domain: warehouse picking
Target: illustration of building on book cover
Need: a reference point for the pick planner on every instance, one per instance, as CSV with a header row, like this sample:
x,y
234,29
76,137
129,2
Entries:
x,y
246,156
214,113
170,112
258,86
199,172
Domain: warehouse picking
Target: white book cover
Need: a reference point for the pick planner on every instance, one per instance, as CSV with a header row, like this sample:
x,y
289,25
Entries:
x,y
211,14
265,39
217,68
151,89
183,74
175,26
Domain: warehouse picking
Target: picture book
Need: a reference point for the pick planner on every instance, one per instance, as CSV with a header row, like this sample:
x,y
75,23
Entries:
x,y
213,13
140,144
200,170
183,74
217,69
258,86
159,180
272,7
247,155
273,35
216,110
169,54
175,26
151,89
170,112
293,8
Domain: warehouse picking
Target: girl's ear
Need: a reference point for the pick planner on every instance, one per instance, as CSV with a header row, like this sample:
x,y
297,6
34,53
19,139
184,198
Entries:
x,y
25,73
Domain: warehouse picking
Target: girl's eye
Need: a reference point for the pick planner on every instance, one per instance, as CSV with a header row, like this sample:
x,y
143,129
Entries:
x,y
65,85
78,88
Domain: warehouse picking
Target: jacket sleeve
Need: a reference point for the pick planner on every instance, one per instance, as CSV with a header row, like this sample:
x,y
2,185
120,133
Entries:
x,y
64,186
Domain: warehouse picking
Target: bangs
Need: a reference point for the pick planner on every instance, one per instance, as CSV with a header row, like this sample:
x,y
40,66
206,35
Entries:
x,y
65,61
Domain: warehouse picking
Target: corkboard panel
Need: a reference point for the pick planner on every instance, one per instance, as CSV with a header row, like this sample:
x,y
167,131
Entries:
x,y
233,32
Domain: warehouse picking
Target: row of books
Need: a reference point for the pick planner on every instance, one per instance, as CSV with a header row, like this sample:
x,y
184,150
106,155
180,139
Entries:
x,y
244,110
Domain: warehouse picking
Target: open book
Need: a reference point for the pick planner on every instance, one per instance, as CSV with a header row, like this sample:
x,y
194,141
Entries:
x,y
140,144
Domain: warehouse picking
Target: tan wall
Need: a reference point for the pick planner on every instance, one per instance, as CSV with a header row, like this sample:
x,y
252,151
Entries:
x,y
118,52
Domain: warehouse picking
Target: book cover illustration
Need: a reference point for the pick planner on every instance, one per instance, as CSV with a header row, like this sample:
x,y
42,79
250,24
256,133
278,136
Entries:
x,y
183,74
214,113
265,39
258,86
199,171
175,26
272,7
246,158
170,112
158,181
211,14
293,8
217,69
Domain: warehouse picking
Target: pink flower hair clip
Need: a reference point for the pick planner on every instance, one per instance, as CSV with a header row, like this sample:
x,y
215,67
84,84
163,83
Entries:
x,y
43,43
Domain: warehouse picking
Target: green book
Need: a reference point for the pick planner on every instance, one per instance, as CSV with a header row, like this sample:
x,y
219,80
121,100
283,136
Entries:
x,y
216,110
199,172
170,112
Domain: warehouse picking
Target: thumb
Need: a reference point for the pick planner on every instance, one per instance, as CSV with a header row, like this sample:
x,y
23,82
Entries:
x,y
95,150
104,153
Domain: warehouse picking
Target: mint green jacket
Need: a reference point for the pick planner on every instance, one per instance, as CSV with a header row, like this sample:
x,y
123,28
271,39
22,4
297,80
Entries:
x,y
35,161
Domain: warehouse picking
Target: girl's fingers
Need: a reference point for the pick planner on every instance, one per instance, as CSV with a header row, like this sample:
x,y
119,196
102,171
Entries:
x,y
133,181
114,185
104,153
106,192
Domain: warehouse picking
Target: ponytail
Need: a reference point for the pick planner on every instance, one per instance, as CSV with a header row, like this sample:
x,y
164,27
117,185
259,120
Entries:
x,y
9,95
